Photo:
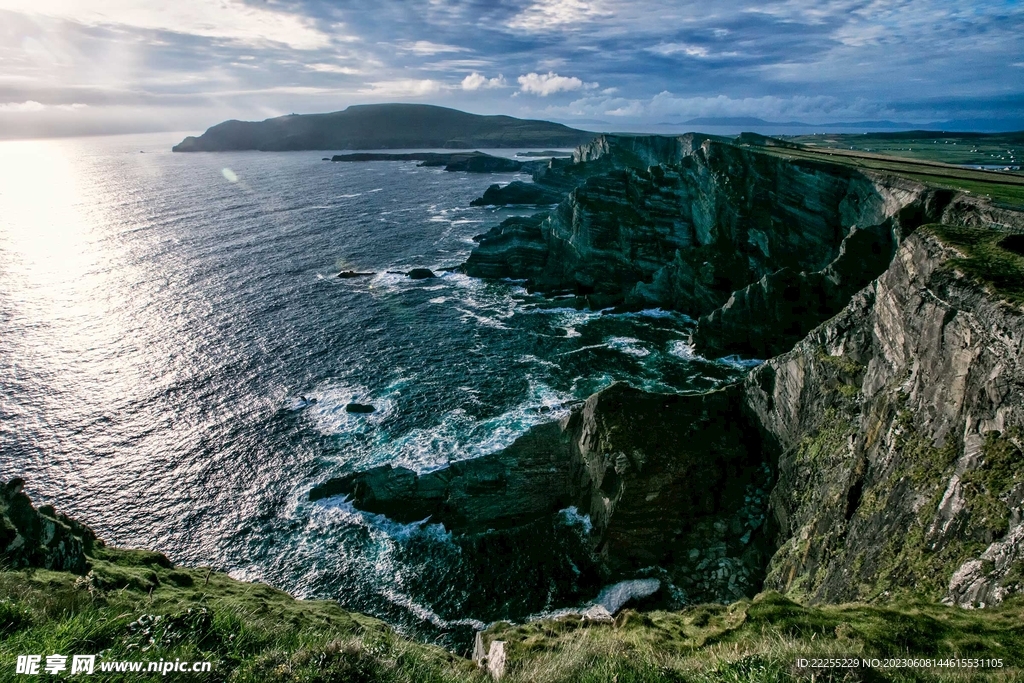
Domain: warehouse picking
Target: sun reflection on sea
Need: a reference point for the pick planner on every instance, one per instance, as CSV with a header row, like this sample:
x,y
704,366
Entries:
x,y
61,283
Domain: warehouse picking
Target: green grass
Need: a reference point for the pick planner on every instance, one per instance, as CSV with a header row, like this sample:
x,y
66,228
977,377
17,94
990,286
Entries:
x,y
132,606
991,258
976,149
761,640
1001,188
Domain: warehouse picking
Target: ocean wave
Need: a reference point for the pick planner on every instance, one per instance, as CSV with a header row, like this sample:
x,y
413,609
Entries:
x,y
460,436
680,348
739,363
628,345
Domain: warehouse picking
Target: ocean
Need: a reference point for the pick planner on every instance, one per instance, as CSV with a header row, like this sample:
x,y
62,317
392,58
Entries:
x,y
166,321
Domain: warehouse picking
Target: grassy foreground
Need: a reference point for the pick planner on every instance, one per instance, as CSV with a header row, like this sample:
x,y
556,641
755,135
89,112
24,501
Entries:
x,y
135,606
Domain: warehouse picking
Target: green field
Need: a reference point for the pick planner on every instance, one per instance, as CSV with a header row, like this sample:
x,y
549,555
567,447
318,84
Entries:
x,y
932,167
961,149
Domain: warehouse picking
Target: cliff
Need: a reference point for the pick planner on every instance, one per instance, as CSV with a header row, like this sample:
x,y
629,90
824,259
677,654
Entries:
x,y
886,425
383,126
760,247
898,425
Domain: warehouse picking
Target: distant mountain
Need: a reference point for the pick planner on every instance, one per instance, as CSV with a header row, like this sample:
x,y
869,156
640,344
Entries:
x,y
383,126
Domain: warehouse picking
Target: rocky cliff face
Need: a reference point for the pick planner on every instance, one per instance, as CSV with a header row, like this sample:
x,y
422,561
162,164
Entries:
x,y
881,455
686,223
898,425
39,538
675,482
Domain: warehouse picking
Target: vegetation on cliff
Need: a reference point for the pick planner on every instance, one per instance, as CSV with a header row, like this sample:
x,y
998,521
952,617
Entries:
x,y
134,605
993,258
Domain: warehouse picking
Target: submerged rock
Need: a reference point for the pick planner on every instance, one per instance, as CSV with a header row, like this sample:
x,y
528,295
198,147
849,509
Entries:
x,y
359,408
519,484
421,274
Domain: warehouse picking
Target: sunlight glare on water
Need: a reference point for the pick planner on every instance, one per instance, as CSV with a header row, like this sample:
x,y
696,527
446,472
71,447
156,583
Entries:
x,y
177,355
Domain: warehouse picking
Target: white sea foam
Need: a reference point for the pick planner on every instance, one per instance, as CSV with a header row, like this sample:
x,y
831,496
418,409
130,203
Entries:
x,y
680,348
572,517
484,320
628,345
460,436
584,348
613,597
740,363
328,413
530,358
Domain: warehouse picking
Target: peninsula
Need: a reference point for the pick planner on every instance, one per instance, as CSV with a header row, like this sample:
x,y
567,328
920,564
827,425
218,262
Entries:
x,y
384,126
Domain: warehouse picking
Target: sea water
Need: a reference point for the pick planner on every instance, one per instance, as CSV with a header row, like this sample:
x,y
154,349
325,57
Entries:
x,y
176,356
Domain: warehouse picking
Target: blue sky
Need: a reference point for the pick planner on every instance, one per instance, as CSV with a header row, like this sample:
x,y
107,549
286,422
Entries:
x,y
90,66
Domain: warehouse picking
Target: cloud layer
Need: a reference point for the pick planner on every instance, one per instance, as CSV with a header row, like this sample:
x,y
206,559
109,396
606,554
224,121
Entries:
x,y
110,65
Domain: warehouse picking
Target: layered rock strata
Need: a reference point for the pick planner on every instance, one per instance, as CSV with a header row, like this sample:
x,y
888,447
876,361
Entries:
x,y
889,438
898,425
710,220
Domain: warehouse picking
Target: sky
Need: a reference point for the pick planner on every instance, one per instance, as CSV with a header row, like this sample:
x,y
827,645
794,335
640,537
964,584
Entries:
x,y
71,67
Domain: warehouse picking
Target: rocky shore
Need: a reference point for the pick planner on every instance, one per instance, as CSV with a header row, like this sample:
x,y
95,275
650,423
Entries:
x,y
876,453
855,489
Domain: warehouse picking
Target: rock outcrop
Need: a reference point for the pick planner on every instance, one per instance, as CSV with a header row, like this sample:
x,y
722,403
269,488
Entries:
x,y
43,537
469,162
898,425
687,235
517,192
512,487
665,480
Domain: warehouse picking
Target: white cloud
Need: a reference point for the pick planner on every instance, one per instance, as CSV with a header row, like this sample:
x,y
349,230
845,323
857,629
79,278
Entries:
x,y
1018,64
333,69
671,49
859,36
812,108
30,106
404,87
545,15
476,81
550,83
425,48
633,108
228,19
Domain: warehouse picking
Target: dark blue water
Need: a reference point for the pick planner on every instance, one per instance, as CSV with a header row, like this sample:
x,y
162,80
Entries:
x,y
162,315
